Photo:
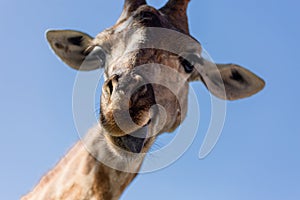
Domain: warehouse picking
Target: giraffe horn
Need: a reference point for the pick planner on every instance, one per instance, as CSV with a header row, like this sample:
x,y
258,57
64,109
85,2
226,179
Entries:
x,y
131,5
176,10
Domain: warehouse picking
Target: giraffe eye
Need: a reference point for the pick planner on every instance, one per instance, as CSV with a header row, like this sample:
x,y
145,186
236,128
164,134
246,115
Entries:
x,y
188,67
189,62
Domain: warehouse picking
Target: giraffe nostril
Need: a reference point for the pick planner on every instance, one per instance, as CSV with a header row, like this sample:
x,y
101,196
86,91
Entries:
x,y
111,84
110,87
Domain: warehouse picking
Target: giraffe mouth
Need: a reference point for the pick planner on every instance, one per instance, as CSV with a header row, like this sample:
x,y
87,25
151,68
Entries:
x,y
136,141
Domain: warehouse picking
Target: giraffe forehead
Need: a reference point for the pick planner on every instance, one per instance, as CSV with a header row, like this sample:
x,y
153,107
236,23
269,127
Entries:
x,y
148,62
145,37
134,29
143,45
146,28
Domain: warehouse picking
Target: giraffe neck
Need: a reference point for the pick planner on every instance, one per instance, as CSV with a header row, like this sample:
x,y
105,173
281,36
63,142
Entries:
x,y
80,176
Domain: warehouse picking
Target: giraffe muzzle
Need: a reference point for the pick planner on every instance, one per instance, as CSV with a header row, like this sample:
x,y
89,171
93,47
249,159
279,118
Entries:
x,y
126,104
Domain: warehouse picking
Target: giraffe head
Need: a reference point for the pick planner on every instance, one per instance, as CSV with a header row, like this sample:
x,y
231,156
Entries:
x,y
149,58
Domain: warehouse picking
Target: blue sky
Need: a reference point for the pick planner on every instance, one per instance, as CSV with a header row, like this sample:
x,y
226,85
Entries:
x,y
258,154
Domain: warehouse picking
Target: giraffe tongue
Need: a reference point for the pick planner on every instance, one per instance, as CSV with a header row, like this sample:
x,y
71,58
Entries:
x,y
135,141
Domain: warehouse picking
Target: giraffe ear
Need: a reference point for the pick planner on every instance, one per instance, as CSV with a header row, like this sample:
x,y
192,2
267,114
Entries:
x,y
230,81
71,47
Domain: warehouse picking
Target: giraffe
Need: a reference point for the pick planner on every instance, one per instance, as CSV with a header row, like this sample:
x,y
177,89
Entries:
x,y
129,120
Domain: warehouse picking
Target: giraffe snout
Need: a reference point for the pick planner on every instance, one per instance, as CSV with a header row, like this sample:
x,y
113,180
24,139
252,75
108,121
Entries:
x,y
126,102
